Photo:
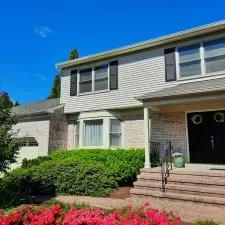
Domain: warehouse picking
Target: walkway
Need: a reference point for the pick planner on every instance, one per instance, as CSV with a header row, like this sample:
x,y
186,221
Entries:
x,y
188,211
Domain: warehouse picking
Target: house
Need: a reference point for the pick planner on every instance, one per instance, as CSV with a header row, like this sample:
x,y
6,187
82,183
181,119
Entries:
x,y
168,89
43,125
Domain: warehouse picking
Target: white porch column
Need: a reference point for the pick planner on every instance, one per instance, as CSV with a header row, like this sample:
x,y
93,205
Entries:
x,y
147,131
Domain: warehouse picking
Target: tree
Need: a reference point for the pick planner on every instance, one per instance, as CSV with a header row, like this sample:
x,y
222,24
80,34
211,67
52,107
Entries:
x,y
55,92
16,103
5,100
9,144
73,54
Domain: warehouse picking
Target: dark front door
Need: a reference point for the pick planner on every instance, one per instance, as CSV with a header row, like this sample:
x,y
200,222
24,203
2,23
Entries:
x,y
206,132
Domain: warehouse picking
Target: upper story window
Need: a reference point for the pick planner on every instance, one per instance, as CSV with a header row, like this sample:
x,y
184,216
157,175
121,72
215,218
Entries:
x,y
214,55
30,142
101,77
85,80
199,59
189,60
94,79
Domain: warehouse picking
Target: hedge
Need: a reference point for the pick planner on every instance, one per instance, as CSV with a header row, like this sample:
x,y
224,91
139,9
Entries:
x,y
78,172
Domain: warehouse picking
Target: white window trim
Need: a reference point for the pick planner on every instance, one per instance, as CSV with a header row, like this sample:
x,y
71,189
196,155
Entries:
x,y
121,133
93,80
202,64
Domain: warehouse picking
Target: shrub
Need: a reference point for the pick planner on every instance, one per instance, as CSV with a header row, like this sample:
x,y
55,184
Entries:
x,y
26,163
74,178
56,215
206,222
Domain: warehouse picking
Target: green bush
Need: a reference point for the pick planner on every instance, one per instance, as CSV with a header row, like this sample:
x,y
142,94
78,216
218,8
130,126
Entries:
x,y
26,163
206,222
78,172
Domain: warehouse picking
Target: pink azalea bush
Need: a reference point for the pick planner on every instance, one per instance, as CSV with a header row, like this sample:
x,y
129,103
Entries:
x,y
56,215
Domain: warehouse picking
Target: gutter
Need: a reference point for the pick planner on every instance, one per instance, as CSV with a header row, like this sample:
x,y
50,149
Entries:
x,y
213,27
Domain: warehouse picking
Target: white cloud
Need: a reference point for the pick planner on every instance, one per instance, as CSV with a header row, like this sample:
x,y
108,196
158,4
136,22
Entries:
x,y
41,76
43,31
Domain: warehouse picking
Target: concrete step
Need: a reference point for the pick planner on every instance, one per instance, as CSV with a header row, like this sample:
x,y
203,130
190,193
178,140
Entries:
x,y
183,179
216,191
185,172
178,196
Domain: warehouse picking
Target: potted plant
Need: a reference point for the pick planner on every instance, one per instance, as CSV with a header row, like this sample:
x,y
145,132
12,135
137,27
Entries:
x,y
178,160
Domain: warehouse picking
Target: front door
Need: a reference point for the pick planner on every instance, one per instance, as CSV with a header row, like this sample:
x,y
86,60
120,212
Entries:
x,y
206,132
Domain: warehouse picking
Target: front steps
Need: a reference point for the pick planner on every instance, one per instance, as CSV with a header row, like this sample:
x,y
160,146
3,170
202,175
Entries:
x,y
206,187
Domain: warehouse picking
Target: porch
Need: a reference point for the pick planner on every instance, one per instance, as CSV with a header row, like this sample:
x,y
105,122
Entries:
x,y
186,116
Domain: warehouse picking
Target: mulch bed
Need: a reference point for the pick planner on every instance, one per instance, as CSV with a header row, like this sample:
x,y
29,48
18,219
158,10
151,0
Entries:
x,y
121,193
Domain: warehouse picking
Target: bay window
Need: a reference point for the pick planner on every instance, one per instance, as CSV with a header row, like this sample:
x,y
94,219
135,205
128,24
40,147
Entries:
x,y
93,132
204,58
115,133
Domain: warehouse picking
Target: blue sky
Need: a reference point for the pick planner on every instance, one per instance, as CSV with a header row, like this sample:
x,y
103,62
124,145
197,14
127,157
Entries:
x,y
37,34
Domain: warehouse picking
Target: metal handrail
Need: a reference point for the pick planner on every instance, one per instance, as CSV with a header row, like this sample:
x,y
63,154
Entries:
x,y
166,164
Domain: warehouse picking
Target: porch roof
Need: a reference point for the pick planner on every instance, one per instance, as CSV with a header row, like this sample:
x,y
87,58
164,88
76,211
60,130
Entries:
x,y
190,89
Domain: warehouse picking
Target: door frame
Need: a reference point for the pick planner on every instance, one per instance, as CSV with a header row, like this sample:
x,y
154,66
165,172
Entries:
x,y
186,123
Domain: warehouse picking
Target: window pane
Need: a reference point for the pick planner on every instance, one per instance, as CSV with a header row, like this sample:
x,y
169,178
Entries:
x,y
189,53
101,71
93,133
77,132
115,139
115,126
101,84
86,86
190,68
214,48
86,74
215,64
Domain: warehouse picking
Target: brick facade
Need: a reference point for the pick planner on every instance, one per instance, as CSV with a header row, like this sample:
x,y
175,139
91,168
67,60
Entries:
x,y
58,131
170,127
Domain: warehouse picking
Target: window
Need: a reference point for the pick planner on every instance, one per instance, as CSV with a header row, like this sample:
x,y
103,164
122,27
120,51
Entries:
x,y
115,133
189,60
85,80
101,77
93,133
30,142
214,55
207,57
77,131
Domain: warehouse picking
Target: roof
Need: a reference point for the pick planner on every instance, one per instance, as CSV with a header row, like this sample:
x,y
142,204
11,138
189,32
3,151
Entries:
x,y
167,39
43,106
196,87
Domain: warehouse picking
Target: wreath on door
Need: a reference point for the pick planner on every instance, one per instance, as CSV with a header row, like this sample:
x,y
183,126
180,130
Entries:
x,y
219,117
196,119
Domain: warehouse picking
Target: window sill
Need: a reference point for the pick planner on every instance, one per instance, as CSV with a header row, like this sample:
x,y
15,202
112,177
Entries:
x,y
94,92
195,77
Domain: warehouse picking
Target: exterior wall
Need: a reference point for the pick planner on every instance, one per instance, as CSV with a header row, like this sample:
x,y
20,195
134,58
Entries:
x,y
58,131
39,129
138,74
170,127
134,131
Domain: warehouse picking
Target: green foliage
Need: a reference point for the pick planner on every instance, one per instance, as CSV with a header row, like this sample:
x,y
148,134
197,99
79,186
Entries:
x,y
55,92
34,162
16,103
78,172
73,54
5,101
206,222
9,145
